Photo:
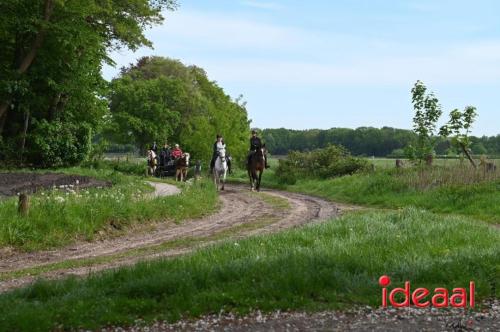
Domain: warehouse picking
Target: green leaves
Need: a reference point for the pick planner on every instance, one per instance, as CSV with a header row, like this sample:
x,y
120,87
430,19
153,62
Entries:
x,y
51,59
427,113
459,127
161,99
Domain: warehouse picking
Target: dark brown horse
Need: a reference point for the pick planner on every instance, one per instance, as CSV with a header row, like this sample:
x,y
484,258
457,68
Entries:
x,y
256,164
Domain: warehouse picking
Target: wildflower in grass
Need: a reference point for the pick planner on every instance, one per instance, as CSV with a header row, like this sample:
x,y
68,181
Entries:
x,y
59,199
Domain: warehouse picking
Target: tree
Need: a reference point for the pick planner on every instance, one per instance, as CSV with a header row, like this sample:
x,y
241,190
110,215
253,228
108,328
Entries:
x,y
50,64
427,113
162,99
459,126
144,111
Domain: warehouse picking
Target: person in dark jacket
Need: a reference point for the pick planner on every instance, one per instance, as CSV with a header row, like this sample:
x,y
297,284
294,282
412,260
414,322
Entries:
x,y
255,144
165,154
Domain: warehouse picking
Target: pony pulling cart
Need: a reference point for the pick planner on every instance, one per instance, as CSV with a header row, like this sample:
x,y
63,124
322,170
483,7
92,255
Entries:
x,y
164,165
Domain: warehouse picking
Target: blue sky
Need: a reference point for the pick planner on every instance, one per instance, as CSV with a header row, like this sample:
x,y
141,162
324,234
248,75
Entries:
x,y
339,63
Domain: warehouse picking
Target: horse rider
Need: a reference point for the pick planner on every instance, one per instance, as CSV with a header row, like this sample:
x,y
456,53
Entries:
x,y
154,147
176,152
219,144
256,144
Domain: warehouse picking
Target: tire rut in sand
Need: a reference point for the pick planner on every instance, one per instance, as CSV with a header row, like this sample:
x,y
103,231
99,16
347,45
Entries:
x,y
239,210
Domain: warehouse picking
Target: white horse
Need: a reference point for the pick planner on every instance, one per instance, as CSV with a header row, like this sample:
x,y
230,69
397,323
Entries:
x,y
152,162
220,168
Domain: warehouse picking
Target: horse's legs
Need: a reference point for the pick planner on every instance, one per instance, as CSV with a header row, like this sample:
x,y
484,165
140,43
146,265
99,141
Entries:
x,y
254,179
214,174
258,181
223,179
250,178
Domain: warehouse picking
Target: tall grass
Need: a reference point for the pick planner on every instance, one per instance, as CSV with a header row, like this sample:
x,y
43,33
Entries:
x,y
63,215
324,266
457,189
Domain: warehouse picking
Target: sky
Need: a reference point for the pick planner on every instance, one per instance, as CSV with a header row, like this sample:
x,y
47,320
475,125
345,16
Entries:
x,y
338,63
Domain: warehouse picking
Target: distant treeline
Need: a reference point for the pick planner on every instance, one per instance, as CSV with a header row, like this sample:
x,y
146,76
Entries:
x,y
367,141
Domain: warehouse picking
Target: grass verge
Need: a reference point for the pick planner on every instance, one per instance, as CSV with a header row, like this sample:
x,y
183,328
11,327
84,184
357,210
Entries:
x,y
322,266
441,190
60,217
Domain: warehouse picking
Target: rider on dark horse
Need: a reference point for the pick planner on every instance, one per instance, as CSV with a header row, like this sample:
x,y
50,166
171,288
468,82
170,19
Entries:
x,y
219,139
256,144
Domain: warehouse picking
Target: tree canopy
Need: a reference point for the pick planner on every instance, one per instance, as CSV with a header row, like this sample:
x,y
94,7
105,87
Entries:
x,y
368,141
50,65
160,99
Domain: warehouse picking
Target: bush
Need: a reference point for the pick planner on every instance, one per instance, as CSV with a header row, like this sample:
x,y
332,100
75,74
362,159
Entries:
x,y
323,163
116,165
285,173
56,144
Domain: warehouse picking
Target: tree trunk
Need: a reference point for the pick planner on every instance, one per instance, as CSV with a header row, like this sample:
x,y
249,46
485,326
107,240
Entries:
x,y
25,131
53,107
27,60
467,154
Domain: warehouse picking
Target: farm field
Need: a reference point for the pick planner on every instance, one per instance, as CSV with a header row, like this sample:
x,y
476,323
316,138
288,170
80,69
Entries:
x,y
333,265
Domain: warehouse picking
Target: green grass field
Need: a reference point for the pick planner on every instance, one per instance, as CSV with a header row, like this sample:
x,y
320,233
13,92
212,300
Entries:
x,y
451,190
59,217
330,265
391,162
430,230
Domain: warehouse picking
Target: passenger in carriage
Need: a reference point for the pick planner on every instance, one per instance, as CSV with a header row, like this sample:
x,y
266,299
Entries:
x,y
176,152
165,154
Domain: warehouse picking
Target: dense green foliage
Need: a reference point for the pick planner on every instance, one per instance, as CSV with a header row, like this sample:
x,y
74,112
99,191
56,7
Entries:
x,y
367,141
61,216
427,113
330,265
50,69
320,163
160,99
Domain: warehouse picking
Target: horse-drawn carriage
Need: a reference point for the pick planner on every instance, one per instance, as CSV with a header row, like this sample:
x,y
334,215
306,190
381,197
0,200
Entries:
x,y
165,164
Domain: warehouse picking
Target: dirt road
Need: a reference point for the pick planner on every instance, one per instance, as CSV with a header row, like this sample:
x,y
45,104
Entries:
x,y
241,214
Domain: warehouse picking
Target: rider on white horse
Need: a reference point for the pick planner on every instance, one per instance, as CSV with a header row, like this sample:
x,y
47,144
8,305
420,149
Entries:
x,y
217,143
220,164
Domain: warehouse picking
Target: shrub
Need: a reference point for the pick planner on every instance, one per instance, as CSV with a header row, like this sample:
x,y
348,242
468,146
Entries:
x,y
328,162
116,165
285,173
56,144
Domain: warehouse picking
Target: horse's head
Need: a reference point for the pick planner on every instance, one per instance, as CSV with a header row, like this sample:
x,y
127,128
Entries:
x,y
186,157
222,153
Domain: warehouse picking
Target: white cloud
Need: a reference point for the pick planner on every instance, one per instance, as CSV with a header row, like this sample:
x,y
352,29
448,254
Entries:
x,y
470,64
217,30
242,50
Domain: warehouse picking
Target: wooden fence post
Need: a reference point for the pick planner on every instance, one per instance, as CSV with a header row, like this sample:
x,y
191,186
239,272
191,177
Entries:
x,y
24,205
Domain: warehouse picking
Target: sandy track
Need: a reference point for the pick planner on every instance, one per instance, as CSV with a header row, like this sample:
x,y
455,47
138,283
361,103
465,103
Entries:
x,y
238,208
